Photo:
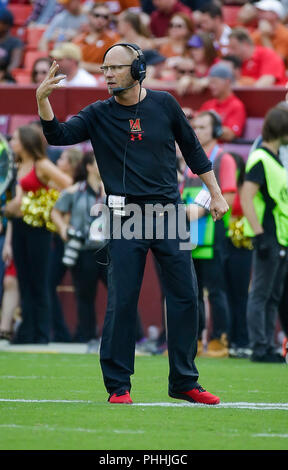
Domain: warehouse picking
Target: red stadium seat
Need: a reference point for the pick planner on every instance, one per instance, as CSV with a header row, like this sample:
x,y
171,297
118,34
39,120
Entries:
x,y
33,36
20,32
17,120
22,76
230,14
31,56
20,13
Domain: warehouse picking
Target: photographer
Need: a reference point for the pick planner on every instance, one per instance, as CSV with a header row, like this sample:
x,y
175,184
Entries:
x,y
71,215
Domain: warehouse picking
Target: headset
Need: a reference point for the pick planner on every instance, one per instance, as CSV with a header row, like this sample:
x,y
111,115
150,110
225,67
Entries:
x,y
217,129
138,66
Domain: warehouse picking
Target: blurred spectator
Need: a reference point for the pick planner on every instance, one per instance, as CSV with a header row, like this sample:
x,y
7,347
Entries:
x,y
65,25
266,209
271,32
181,27
68,162
100,37
147,6
161,16
5,77
133,30
203,52
11,47
69,56
185,66
53,153
30,243
155,68
235,64
40,69
201,49
208,254
261,66
247,17
117,6
211,22
225,103
43,12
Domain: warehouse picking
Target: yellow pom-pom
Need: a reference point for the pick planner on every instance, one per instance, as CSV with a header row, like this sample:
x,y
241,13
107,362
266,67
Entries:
x,y
36,208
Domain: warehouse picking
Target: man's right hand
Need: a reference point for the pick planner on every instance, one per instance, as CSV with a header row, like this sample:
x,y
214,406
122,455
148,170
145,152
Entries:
x,y
50,82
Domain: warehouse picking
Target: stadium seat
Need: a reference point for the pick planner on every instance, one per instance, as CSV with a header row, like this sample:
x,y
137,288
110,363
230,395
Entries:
x,y
4,124
253,128
230,14
31,56
20,13
20,32
33,37
22,76
17,120
242,149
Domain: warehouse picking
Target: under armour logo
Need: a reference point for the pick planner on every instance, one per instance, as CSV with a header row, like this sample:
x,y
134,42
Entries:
x,y
135,137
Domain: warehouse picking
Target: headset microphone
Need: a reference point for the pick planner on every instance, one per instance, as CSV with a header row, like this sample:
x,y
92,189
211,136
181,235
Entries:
x,y
116,91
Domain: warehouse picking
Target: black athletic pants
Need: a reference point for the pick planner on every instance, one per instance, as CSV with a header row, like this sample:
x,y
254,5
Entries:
x,y
125,274
31,251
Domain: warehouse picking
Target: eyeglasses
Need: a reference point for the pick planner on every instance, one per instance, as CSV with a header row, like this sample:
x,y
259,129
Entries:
x,y
183,72
176,25
98,15
113,68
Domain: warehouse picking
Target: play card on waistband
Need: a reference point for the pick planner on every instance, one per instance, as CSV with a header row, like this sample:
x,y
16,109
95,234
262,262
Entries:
x,y
203,199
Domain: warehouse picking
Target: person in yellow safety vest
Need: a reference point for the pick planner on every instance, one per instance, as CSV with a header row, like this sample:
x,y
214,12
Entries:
x,y
208,254
265,204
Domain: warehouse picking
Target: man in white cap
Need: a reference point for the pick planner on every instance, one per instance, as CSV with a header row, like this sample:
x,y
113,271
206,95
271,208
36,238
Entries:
x,y
271,31
69,56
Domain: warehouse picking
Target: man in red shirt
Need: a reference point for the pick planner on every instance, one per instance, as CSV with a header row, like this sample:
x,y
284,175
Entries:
x,y
261,66
225,103
160,18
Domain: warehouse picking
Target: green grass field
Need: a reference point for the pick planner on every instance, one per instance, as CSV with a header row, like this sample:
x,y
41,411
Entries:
x,y
64,406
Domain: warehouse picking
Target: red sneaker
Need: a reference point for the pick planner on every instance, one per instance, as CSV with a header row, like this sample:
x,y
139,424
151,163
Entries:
x,y
120,397
285,347
197,395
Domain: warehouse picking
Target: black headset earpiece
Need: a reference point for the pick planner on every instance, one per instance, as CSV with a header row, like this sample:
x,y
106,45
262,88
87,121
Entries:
x,y
217,124
138,66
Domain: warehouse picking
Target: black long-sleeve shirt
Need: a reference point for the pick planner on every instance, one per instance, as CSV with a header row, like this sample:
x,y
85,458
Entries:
x,y
142,136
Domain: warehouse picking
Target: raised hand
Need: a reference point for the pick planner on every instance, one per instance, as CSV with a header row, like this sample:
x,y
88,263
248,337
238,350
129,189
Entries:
x,y
50,82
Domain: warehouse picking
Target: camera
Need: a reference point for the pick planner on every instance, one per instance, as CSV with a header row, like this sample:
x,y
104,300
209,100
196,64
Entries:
x,y
73,246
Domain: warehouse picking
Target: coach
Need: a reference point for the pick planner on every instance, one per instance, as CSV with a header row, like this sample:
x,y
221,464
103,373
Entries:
x,y
133,135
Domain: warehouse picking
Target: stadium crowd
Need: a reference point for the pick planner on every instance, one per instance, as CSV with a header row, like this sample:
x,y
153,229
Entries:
x,y
192,46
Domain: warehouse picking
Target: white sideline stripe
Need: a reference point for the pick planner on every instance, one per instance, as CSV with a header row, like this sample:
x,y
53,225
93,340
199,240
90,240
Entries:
x,y
285,436
239,405
45,427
